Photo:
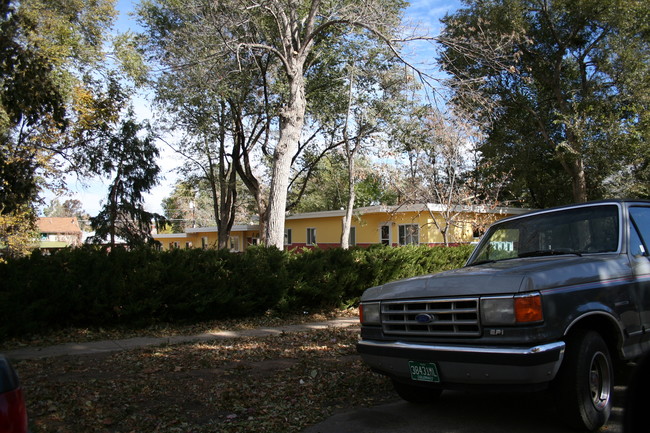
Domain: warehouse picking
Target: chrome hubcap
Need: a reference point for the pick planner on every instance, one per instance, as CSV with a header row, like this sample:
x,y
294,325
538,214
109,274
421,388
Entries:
x,y
600,381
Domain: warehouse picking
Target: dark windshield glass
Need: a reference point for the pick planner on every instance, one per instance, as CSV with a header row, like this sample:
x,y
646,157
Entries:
x,y
581,230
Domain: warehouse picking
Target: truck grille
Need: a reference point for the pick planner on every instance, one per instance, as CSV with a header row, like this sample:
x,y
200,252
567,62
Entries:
x,y
431,318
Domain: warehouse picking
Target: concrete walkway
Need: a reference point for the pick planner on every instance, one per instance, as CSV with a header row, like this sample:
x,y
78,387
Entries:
x,y
137,342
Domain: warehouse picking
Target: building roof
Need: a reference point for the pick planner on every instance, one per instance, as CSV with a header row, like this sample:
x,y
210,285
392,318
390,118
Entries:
x,y
65,225
170,235
235,228
418,207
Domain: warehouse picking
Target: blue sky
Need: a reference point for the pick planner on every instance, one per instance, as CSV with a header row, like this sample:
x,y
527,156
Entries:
x,y
425,14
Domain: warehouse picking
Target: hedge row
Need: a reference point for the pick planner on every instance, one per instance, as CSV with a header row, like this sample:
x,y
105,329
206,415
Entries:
x,y
91,287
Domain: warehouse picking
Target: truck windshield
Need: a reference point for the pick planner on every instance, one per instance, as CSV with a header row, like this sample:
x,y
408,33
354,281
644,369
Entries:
x,y
583,230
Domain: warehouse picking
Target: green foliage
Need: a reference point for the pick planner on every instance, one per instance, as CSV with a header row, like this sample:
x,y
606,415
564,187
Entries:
x,y
328,188
261,70
132,162
562,89
17,232
90,286
189,204
18,184
69,208
62,94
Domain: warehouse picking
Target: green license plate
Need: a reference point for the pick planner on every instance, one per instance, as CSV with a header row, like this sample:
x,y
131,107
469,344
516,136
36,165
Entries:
x,y
424,371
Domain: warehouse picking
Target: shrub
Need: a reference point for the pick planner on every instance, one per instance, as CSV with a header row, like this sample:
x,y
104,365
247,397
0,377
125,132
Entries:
x,y
89,286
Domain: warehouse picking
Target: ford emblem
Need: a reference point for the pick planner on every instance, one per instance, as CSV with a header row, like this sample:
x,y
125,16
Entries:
x,y
425,318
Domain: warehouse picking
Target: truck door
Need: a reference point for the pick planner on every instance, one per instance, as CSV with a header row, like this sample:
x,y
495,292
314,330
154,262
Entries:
x,y
640,261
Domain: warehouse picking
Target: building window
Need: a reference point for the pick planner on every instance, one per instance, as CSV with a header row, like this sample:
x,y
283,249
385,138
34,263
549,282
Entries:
x,y
352,239
188,245
204,242
409,234
287,237
234,243
384,235
311,236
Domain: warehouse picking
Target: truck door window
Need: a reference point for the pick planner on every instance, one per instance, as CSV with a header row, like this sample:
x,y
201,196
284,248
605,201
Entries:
x,y
639,230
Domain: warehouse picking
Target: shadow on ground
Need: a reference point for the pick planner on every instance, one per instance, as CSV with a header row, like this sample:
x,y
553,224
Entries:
x,y
468,412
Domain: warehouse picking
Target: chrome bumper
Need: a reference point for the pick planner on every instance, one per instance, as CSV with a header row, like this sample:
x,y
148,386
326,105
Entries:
x,y
467,364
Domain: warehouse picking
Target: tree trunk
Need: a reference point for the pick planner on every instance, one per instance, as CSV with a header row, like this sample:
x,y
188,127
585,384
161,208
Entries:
x,y
228,185
579,181
350,153
573,163
347,220
222,237
291,123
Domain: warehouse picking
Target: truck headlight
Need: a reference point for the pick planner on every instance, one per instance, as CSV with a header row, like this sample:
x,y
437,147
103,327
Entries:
x,y
497,311
370,313
510,310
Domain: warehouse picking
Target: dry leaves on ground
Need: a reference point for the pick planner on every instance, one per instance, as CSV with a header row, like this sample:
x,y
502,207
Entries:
x,y
81,335
273,384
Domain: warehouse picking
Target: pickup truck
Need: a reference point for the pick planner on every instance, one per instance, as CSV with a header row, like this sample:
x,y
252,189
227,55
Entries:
x,y
548,299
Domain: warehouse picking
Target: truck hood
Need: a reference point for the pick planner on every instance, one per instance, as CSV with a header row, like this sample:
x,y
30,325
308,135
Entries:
x,y
506,277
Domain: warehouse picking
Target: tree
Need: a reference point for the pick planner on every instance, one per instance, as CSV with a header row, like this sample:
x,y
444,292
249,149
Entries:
x,y
372,83
179,207
55,86
131,160
69,208
222,122
571,84
60,95
17,232
438,164
297,35
28,92
223,116
438,170
328,189
220,132
191,204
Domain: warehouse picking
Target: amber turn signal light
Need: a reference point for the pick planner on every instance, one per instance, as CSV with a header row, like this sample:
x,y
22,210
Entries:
x,y
528,309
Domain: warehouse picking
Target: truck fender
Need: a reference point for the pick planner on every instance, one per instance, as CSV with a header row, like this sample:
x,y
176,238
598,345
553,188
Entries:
x,y
601,319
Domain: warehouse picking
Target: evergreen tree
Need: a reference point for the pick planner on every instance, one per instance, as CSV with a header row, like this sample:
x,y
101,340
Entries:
x,y
132,161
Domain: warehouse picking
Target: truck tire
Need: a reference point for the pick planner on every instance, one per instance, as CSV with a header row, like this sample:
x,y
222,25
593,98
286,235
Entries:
x,y
583,387
416,394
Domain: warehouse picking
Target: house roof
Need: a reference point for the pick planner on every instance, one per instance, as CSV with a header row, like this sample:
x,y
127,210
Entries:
x,y
68,225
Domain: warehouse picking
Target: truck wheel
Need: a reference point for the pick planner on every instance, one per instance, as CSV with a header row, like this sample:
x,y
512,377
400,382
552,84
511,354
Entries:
x,y
416,394
583,387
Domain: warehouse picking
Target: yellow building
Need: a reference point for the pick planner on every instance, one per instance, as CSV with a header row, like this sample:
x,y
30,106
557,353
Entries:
x,y
418,224
206,237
